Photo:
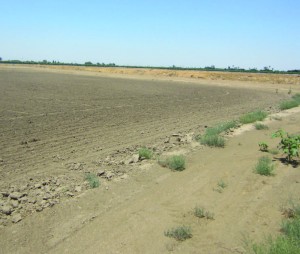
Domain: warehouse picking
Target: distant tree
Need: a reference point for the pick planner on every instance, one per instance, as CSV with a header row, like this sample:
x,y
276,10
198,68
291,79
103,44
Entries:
x,y
88,63
0,58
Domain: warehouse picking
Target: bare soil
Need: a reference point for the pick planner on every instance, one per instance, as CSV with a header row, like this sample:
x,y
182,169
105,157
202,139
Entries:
x,y
57,126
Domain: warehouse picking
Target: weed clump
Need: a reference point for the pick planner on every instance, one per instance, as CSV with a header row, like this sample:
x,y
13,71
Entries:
x,y
289,242
202,213
260,126
92,180
180,233
212,140
294,102
145,153
253,117
264,166
212,136
175,162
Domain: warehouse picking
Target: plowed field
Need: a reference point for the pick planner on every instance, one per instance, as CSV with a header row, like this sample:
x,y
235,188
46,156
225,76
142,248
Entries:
x,y
81,118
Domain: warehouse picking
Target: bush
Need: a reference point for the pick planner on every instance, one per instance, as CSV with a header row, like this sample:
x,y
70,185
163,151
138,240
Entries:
x,y
253,117
145,153
175,162
93,180
180,233
289,144
264,166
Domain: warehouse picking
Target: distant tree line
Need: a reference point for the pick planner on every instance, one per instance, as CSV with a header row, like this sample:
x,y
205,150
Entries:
x,y
266,69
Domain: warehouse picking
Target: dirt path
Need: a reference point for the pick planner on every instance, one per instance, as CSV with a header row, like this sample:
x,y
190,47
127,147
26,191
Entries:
x,y
131,216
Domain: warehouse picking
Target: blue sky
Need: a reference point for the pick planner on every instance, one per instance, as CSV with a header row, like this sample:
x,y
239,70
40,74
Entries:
x,y
188,33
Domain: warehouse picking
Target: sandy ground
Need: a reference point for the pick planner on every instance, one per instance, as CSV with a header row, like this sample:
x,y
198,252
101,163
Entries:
x,y
75,119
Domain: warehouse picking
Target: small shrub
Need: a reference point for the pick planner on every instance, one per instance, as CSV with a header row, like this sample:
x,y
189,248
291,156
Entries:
x,y
180,233
260,126
199,212
289,144
222,184
202,213
145,153
175,162
212,140
264,166
92,180
253,117
263,146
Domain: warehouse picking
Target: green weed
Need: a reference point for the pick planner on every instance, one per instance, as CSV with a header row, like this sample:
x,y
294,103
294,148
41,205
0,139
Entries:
x,y
180,233
202,213
219,128
92,180
264,166
211,136
288,104
212,140
263,146
175,162
253,117
260,126
288,243
145,153
222,184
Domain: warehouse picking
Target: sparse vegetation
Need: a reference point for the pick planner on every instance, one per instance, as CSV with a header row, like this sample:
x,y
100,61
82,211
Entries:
x,y
93,180
253,117
264,166
294,102
175,162
222,127
180,233
289,144
288,104
202,213
260,126
145,153
289,242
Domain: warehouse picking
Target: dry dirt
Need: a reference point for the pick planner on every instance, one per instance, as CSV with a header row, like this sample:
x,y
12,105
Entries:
x,y
56,126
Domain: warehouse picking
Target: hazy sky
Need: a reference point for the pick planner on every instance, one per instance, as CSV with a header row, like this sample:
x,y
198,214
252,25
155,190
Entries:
x,y
188,33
